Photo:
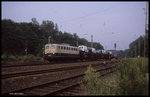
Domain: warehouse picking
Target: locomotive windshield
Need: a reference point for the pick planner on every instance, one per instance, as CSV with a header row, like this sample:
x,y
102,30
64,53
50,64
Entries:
x,y
52,46
47,47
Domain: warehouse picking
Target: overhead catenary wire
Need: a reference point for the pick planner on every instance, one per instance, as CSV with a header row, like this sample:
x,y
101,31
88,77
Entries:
x,y
88,15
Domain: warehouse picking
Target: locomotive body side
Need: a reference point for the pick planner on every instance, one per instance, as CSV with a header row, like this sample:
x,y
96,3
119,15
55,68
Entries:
x,y
60,52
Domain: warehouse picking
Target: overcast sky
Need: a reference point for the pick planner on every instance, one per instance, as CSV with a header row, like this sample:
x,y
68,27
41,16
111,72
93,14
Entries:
x,y
108,22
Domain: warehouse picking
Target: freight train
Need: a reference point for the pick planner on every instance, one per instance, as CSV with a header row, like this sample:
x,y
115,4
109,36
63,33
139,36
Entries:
x,y
60,52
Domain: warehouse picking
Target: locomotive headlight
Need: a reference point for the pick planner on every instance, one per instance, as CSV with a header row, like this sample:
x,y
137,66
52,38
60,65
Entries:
x,y
53,53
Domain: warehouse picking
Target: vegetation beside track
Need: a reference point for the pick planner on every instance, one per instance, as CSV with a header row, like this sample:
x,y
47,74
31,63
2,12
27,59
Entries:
x,y
93,84
131,79
16,58
133,76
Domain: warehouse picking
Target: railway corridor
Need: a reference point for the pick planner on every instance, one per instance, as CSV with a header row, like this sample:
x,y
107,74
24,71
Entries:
x,y
49,81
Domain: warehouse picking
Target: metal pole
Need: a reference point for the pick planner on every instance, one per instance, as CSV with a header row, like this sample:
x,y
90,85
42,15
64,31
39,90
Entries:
x,y
145,31
139,47
26,50
91,40
77,41
49,39
135,50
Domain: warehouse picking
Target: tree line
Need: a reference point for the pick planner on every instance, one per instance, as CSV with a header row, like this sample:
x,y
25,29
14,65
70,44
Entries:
x,y
21,38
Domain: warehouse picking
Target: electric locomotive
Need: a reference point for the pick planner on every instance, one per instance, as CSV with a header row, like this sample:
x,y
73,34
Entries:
x,y
59,52
56,52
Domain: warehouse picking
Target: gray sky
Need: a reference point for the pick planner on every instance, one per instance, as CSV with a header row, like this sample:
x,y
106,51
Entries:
x,y
108,22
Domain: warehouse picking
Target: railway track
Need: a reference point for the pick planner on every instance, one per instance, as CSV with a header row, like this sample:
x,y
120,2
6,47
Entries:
x,y
10,75
34,63
45,85
23,71
5,65
76,90
53,88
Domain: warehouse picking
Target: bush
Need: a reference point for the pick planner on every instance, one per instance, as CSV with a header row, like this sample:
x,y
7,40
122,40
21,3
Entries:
x,y
12,58
29,57
91,81
132,79
5,56
94,85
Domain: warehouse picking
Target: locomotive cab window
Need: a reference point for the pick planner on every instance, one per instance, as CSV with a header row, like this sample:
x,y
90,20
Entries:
x,y
47,47
52,46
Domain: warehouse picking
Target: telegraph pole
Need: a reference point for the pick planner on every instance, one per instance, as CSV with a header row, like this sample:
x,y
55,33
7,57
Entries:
x,y
145,29
77,43
139,47
49,39
115,48
91,40
135,50
26,50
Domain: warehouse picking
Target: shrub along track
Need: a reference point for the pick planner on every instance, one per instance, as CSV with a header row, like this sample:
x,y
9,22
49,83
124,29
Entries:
x,y
41,80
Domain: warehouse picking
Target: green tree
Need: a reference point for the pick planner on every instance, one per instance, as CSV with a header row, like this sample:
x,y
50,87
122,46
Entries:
x,y
16,37
34,21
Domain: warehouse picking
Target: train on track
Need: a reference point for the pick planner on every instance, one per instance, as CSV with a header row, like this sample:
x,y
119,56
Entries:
x,y
60,52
